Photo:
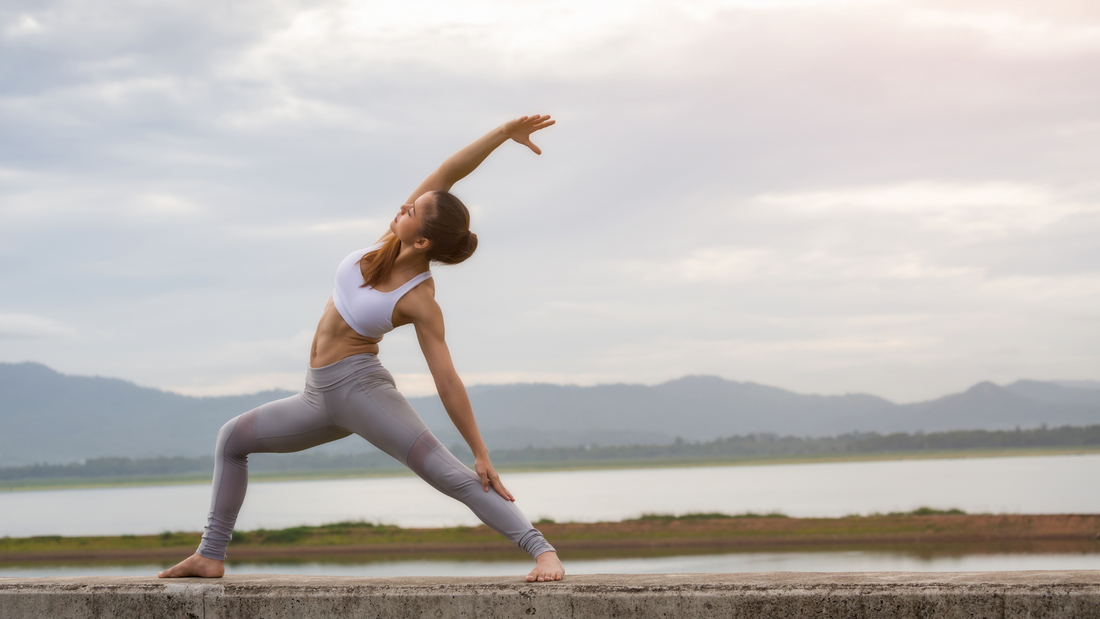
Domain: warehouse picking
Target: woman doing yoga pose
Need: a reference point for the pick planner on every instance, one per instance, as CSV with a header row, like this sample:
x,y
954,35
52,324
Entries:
x,y
347,390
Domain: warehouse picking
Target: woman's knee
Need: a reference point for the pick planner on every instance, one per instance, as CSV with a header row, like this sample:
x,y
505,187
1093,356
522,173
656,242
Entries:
x,y
449,475
232,437
225,432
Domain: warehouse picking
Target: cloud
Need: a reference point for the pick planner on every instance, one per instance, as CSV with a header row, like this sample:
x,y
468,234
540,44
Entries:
x,y
29,327
968,210
832,196
1009,31
898,232
22,26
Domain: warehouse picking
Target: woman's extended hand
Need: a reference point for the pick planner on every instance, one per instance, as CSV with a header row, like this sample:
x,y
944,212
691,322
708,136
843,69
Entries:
x,y
489,477
521,129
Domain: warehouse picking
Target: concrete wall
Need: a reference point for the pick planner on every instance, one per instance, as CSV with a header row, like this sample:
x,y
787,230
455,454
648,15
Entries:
x,y
759,596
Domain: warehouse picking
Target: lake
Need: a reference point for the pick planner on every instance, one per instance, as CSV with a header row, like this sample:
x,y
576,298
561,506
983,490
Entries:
x,y
1040,484
824,561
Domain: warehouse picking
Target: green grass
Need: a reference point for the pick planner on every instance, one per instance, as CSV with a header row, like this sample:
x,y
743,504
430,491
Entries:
x,y
703,516
652,533
928,511
359,532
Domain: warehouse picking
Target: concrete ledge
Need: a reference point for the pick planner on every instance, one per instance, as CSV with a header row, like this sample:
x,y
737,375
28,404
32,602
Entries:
x,y
764,595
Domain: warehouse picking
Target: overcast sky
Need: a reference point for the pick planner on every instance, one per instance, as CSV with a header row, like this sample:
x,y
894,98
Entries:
x,y
892,197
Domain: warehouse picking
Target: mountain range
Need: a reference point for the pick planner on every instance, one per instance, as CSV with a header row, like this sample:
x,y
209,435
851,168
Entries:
x,y
50,417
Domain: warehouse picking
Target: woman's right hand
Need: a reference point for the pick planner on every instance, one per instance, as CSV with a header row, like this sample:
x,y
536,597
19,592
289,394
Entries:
x,y
490,479
520,129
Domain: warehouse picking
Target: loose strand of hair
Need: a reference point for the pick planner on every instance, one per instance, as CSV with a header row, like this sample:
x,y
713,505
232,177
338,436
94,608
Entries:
x,y
377,266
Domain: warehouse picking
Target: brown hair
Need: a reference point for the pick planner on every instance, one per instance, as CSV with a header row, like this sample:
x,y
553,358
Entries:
x,y
446,226
377,266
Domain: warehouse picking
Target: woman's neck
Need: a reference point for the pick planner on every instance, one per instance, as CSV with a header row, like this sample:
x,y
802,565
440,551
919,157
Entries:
x,y
411,259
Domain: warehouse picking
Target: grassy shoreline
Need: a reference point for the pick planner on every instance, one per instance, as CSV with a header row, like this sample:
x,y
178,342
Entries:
x,y
922,531
204,478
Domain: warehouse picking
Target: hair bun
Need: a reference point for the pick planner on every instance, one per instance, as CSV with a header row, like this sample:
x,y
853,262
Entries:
x,y
447,226
471,244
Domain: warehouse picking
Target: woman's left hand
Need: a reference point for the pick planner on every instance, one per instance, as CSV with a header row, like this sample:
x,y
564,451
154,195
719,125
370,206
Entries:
x,y
489,477
521,129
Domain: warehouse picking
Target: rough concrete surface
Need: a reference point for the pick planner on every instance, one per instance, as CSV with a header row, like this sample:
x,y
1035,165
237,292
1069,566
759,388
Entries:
x,y
1053,594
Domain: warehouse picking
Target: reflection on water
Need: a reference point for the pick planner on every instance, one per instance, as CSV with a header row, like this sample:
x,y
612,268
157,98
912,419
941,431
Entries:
x,y
798,561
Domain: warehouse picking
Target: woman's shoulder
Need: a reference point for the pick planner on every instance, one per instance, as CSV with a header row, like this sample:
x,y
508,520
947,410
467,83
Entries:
x,y
425,290
419,303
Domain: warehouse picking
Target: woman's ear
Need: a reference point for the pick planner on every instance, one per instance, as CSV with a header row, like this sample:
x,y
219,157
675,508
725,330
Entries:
x,y
422,243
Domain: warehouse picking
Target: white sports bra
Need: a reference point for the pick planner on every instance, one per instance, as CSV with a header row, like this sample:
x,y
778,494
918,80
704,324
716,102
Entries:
x,y
365,309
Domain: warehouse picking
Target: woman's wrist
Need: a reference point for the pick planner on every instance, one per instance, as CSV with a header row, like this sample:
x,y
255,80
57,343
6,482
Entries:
x,y
500,136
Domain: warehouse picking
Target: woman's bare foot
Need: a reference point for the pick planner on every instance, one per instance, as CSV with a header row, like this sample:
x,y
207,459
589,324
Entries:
x,y
195,565
547,568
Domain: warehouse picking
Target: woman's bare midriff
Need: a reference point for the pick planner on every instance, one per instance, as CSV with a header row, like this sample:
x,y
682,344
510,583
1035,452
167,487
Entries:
x,y
335,340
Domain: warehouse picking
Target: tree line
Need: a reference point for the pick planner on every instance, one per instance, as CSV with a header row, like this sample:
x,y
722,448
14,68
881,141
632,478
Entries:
x,y
750,446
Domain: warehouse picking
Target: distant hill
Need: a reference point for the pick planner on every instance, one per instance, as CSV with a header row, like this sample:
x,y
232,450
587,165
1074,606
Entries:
x,y
46,416
1079,384
707,407
693,407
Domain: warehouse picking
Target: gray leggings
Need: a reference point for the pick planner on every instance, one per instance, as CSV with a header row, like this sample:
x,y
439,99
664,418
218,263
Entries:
x,y
357,395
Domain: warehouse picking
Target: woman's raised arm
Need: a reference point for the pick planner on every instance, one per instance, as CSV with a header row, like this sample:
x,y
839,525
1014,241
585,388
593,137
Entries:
x,y
460,164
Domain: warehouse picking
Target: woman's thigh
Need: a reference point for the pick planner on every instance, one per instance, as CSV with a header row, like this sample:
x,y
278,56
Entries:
x,y
373,408
296,423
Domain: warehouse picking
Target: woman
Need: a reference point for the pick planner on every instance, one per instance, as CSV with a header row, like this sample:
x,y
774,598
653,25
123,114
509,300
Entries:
x,y
347,390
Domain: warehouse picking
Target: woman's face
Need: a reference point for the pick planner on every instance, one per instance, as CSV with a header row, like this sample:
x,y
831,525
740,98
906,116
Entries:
x,y
406,226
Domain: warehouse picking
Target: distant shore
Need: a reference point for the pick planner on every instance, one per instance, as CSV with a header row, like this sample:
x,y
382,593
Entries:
x,y
535,467
924,531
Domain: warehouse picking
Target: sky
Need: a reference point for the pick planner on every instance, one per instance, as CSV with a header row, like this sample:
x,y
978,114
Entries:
x,y
890,197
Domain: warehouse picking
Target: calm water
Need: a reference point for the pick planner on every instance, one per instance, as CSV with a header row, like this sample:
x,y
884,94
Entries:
x,y
713,564
1049,484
